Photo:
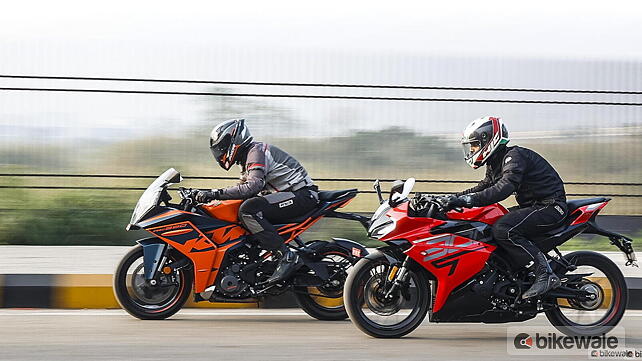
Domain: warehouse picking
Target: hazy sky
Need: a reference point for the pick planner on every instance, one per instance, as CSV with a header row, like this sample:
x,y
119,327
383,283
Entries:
x,y
538,28
563,44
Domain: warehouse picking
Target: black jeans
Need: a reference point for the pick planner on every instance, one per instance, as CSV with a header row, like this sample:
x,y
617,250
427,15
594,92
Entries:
x,y
259,214
513,230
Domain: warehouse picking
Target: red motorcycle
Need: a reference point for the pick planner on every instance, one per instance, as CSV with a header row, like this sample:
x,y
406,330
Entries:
x,y
445,263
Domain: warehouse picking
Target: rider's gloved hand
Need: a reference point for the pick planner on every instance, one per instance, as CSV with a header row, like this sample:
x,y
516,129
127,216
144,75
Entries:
x,y
206,196
452,201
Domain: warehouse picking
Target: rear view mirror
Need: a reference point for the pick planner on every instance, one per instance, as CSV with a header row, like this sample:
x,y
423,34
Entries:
x,y
400,191
175,179
397,187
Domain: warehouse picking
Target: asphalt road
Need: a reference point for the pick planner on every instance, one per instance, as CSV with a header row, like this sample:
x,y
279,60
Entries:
x,y
249,335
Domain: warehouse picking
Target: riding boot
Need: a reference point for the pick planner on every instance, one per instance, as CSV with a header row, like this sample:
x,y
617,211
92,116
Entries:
x,y
545,279
289,262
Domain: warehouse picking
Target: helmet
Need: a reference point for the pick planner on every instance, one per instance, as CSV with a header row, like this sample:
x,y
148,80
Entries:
x,y
482,137
228,140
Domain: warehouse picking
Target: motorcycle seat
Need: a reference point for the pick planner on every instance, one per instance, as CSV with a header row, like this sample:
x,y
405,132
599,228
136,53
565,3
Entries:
x,y
328,196
325,199
577,203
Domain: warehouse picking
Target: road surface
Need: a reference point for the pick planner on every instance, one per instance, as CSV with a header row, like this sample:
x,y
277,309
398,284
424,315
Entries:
x,y
282,334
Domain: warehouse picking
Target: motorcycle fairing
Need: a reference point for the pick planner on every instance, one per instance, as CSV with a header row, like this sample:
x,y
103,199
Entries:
x,y
585,213
190,241
450,258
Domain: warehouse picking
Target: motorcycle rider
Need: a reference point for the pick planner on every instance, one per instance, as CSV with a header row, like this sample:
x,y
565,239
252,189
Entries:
x,y
275,186
538,188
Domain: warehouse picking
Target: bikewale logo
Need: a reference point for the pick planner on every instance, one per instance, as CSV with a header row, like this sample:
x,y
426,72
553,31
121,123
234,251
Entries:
x,y
523,341
536,342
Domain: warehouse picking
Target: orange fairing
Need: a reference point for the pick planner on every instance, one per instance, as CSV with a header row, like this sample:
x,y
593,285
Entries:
x,y
227,211
227,233
191,242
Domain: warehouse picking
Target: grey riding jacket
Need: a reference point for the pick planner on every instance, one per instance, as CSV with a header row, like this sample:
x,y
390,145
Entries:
x,y
267,169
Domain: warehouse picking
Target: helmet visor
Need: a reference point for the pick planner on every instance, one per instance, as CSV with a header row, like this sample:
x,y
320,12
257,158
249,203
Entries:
x,y
221,147
470,148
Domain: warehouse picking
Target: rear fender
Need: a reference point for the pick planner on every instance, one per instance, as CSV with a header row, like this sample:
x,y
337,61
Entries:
x,y
355,248
352,247
153,251
311,249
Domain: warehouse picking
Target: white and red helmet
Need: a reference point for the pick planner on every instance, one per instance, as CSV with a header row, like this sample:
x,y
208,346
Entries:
x,y
482,137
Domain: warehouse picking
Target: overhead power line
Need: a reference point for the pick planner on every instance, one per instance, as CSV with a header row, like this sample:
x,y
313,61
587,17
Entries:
x,y
305,96
327,85
370,180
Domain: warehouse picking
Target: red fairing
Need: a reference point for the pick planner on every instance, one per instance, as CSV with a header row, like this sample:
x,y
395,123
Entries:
x,y
450,258
408,226
586,212
489,214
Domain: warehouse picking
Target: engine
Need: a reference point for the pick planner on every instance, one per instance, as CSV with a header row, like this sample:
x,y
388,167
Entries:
x,y
231,284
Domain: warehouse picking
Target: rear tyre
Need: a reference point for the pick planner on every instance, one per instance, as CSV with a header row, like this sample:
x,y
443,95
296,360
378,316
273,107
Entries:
x,y
326,302
592,318
382,317
143,301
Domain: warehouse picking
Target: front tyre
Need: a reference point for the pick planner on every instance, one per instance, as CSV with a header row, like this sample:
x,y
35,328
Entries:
x,y
603,281
378,313
141,300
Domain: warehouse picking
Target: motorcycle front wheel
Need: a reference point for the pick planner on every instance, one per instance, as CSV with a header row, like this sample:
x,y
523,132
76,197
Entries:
x,y
144,301
378,312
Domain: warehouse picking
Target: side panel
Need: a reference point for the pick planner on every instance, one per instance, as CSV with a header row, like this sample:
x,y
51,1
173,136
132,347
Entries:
x,y
226,233
452,259
585,213
191,242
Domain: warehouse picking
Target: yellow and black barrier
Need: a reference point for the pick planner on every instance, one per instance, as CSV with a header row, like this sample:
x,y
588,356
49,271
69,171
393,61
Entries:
x,y
76,291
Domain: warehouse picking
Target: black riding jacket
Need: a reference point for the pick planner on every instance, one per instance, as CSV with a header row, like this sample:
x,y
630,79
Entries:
x,y
521,171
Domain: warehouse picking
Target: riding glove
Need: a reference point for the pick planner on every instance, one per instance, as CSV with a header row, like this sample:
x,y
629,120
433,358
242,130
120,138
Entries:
x,y
206,196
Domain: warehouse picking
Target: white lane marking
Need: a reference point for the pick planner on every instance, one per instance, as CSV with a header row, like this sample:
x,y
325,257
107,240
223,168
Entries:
x,y
123,313
256,312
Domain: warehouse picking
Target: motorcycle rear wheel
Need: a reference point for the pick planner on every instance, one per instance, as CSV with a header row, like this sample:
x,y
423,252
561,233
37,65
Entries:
x,y
607,282
326,302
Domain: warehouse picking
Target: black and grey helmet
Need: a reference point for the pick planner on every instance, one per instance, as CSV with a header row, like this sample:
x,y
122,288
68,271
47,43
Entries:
x,y
228,140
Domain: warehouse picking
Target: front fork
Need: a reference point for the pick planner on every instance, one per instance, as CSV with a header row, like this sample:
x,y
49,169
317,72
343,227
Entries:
x,y
397,276
157,273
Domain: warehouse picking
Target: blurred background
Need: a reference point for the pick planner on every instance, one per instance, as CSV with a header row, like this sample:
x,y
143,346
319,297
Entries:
x,y
457,62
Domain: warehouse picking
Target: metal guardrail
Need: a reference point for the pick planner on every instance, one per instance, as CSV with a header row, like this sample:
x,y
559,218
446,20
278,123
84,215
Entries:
x,y
361,180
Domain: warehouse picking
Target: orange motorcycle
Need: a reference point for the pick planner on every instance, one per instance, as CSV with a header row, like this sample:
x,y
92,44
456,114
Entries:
x,y
202,249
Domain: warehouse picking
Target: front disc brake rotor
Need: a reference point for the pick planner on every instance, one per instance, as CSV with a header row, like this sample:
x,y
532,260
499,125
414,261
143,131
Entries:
x,y
146,293
375,297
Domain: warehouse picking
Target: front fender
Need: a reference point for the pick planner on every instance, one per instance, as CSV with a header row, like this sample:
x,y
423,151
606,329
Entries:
x,y
153,251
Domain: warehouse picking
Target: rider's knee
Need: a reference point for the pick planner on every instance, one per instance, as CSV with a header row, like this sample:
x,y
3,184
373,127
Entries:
x,y
500,231
251,206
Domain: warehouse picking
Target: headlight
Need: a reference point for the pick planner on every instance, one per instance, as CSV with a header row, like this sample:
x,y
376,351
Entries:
x,y
147,201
